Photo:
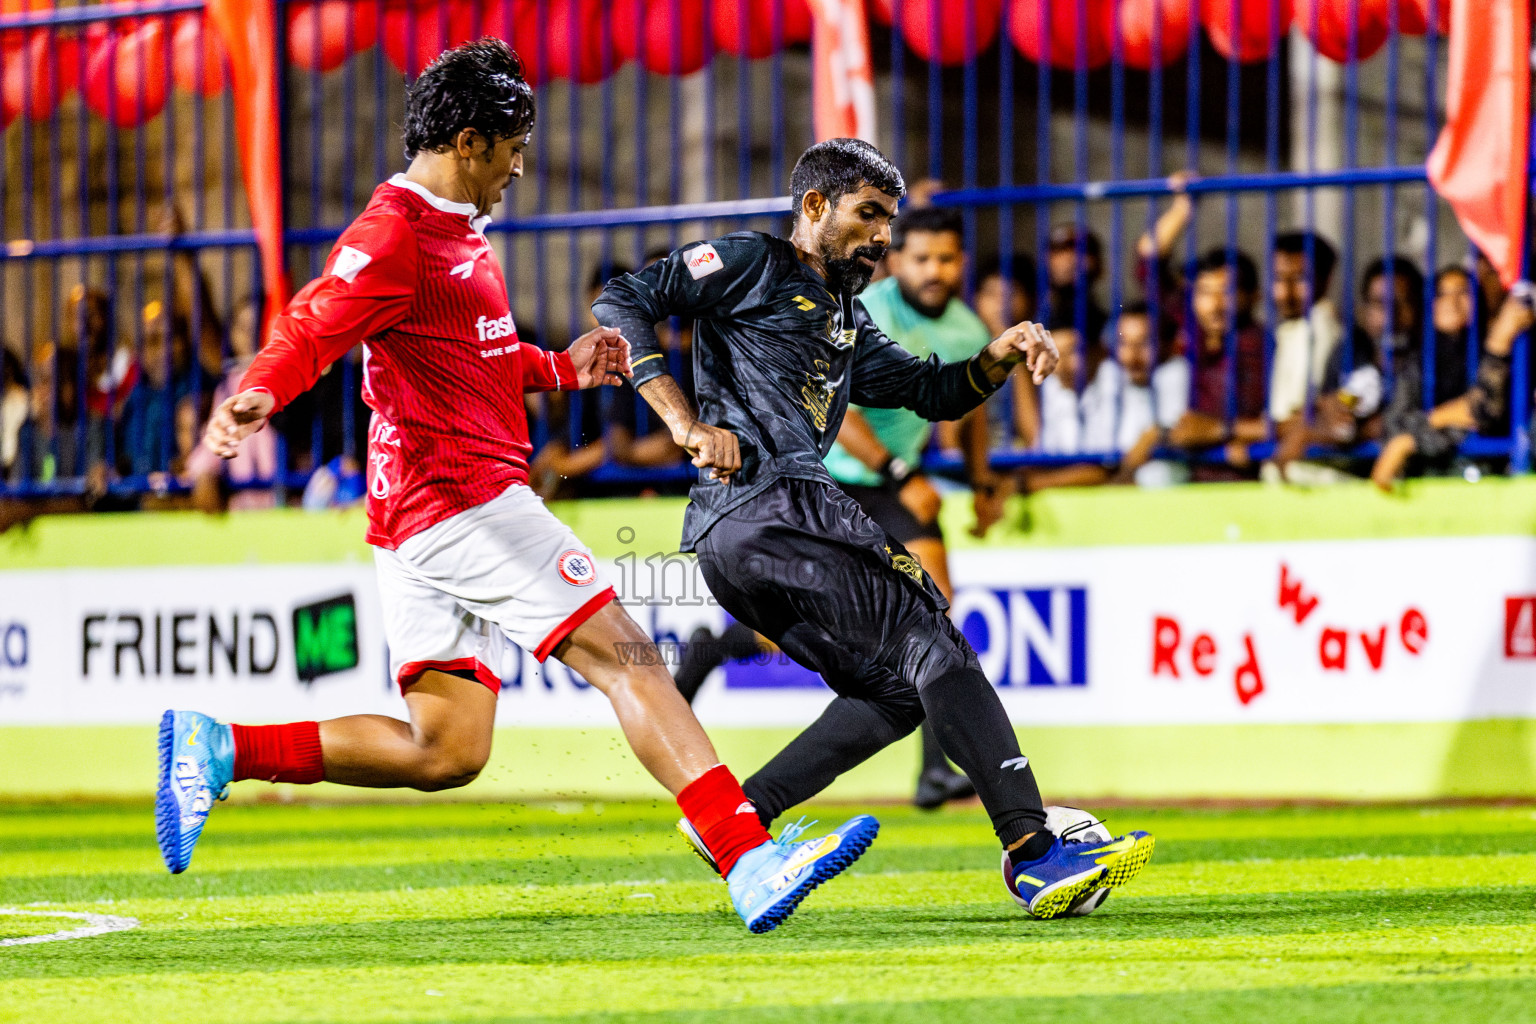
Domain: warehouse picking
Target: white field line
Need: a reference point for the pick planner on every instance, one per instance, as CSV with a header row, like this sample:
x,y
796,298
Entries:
x,y
95,924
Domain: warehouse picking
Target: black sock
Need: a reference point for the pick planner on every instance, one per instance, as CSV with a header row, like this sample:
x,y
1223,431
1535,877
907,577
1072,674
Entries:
x,y
1037,846
848,733
972,727
933,754
706,652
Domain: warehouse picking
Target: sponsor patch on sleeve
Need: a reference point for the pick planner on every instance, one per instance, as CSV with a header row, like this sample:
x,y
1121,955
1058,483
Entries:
x,y
349,262
702,260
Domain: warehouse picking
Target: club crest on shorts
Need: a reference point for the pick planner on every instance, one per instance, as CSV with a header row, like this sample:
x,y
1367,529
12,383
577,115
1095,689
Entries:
x,y
576,568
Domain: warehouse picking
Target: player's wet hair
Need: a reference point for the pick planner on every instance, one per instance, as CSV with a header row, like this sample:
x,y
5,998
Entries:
x,y
477,85
933,219
837,167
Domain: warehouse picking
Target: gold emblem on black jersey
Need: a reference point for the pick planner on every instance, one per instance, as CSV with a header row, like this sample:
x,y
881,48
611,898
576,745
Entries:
x,y
805,304
816,394
905,564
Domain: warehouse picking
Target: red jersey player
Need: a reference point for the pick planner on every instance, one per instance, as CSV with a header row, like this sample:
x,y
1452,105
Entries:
x,y
468,557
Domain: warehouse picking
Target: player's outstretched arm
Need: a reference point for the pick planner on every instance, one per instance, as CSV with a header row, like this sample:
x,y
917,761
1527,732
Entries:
x,y
237,418
600,357
712,448
1028,343
887,376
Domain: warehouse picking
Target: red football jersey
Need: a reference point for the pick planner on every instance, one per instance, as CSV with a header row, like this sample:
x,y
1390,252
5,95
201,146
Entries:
x,y
415,280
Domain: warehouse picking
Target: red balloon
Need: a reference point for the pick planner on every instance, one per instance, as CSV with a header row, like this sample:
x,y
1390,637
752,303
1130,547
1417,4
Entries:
x,y
917,18
318,37
1255,20
660,22
1139,18
38,74
126,79
426,29
1334,17
755,19
199,60
1029,16
573,39
1413,17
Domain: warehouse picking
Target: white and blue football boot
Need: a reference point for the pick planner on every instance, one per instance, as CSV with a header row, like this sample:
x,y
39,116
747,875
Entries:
x,y
197,760
768,883
1072,872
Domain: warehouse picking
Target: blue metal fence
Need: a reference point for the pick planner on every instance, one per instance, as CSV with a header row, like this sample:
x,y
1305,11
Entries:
x,y
638,158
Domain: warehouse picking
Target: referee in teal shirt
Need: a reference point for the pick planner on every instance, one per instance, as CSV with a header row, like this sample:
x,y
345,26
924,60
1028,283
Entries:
x,y
878,455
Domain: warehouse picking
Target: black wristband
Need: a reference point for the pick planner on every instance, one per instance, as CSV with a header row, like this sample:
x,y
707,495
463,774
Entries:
x,y
895,471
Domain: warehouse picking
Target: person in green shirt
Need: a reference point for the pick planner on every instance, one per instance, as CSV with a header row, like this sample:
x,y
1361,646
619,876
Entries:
x,y
877,459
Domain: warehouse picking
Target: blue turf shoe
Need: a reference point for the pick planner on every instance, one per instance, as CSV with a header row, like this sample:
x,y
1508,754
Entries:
x,y
1072,871
768,883
197,760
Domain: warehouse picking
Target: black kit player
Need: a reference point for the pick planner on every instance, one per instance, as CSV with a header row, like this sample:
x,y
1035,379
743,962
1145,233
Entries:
x,y
780,348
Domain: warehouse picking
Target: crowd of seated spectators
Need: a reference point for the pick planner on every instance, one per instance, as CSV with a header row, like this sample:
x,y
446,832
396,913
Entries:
x,y
1201,376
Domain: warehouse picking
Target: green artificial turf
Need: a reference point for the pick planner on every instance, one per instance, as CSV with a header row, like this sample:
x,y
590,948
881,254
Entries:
x,y
568,912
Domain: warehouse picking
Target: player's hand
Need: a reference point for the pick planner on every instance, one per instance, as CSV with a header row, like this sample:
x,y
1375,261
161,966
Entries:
x,y
987,502
236,419
711,447
600,357
1030,343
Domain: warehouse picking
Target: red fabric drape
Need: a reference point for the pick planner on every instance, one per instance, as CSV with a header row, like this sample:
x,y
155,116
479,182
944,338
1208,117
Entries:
x,y
250,34
843,82
1479,162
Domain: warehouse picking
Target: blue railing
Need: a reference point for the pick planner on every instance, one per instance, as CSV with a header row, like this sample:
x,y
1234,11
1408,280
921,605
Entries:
x,y
639,159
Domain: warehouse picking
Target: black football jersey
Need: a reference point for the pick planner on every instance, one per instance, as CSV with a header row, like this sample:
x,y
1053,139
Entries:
x,y
777,358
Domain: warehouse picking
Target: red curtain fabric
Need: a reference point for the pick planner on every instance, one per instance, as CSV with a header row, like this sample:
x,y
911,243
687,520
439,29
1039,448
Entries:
x,y
843,82
1479,162
249,32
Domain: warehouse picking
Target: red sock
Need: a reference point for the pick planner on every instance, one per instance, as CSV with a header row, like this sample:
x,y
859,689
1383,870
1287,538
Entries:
x,y
279,753
723,816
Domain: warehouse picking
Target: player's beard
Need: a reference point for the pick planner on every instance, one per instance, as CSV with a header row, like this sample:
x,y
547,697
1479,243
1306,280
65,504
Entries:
x,y
846,273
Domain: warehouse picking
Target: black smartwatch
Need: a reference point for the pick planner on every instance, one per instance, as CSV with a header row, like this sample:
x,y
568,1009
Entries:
x,y
895,471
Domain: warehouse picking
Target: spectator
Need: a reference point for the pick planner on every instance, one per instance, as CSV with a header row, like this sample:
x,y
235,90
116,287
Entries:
x,y
1004,296
1074,262
217,483
14,406
1144,388
1437,434
1355,398
337,484
637,437
1222,299
1308,330
49,441
610,433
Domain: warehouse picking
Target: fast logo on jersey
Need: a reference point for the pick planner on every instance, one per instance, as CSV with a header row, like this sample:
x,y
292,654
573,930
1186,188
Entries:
x,y
805,304
463,270
349,262
491,330
576,568
702,260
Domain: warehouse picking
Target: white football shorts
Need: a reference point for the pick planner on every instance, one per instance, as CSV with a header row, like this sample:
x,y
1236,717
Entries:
x,y
454,594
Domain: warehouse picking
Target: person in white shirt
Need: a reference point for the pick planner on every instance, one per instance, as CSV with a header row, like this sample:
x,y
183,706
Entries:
x,y
1308,330
1139,393
1145,385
